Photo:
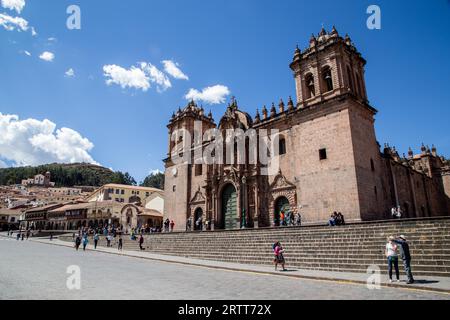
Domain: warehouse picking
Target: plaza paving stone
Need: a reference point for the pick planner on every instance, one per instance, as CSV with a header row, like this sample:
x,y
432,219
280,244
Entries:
x,y
36,270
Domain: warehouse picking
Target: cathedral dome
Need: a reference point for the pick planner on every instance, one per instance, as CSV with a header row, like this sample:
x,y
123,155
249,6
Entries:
x,y
235,118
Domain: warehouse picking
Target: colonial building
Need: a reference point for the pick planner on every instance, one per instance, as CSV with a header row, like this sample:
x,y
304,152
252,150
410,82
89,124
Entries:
x,y
151,198
39,180
329,158
73,216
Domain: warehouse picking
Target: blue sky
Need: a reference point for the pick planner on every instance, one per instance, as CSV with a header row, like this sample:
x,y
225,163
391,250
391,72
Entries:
x,y
245,46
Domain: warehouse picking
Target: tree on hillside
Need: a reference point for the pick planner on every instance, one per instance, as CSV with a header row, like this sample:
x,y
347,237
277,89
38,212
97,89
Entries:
x,y
123,178
154,180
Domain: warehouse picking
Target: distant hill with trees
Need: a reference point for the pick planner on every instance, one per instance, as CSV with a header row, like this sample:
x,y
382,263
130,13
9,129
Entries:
x,y
154,180
67,175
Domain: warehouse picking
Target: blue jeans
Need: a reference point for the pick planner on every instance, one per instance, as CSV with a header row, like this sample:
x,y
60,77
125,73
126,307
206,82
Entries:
x,y
393,261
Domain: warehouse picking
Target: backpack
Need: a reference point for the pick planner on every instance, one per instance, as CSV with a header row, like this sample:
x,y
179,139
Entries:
x,y
274,246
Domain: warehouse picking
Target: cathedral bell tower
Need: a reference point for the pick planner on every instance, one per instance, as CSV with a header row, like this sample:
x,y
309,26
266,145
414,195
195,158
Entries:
x,y
179,174
329,67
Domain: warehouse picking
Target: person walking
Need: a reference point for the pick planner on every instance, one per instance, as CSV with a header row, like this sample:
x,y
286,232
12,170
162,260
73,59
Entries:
x,y
120,247
96,238
85,242
172,225
77,242
108,241
279,257
406,257
392,256
28,234
141,242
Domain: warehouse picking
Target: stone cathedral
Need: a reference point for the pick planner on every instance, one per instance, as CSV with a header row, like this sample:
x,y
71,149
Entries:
x,y
329,157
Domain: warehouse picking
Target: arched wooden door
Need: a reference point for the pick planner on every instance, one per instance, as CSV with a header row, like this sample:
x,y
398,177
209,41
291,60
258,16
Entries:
x,y
229,207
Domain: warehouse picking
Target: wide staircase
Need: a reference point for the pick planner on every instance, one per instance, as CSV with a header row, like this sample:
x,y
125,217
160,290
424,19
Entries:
x,y
351,248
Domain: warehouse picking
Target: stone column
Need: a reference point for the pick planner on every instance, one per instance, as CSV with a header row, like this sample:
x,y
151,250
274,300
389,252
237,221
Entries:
x,y
256,216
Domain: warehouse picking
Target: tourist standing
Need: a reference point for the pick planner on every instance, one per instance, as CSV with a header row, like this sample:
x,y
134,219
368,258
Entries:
x,y
393,212
399,212
28,234
282,218
199,224
188,224
108,240
172,225
96,238
406,257
85,242
392,256
279,257
298,219
141,242
120,243
77,242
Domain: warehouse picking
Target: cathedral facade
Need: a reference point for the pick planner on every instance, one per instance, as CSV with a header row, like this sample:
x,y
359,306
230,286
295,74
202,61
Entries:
x,y
327,153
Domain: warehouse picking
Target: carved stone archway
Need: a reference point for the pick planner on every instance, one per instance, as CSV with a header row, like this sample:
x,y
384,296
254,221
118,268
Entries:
x,y
281,187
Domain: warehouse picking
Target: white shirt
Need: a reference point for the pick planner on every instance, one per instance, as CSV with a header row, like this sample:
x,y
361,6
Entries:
x,y
391,249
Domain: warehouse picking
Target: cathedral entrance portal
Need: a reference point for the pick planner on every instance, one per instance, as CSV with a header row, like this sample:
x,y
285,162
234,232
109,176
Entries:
x,y
198,216
229,207
281,206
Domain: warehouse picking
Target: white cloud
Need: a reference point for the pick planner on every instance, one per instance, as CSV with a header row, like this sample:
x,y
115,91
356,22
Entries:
x,y
132,78
172,68
47,56
34,142
13,23
17,5
52,39
212,95
33,32
3,164
138,77
156,76
154,172
70,73
26,53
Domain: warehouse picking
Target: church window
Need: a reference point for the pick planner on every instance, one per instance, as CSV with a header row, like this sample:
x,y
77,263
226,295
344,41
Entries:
x,y
323,154
282,146
174,188
198,170
372,165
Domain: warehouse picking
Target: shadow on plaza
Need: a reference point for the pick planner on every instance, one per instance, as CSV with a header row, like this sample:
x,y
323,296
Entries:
x,y
425,281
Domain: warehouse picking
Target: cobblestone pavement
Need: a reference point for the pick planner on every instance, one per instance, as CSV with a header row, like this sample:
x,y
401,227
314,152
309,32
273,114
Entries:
x,y
30,270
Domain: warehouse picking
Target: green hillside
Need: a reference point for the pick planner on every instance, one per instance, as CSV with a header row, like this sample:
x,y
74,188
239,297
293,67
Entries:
x,y
67,175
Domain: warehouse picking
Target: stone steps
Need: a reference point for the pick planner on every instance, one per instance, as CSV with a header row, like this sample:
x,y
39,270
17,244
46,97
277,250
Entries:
x,y
350,248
